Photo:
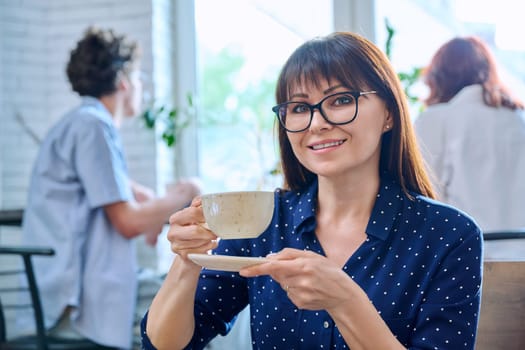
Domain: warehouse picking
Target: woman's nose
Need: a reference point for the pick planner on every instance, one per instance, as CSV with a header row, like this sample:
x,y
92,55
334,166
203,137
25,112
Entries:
x,y
318,121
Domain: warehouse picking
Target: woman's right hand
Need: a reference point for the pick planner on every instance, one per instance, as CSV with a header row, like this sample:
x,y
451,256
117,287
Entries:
x,y
188,232
171,321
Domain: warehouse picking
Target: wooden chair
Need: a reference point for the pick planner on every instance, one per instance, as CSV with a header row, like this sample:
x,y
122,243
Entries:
x,y
502,315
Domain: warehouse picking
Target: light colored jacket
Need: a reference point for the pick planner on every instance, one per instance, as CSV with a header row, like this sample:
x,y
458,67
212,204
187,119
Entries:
x,y
477,154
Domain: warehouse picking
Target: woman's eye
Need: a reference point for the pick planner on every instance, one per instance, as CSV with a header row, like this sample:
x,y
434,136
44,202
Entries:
x,y
343,100
300,108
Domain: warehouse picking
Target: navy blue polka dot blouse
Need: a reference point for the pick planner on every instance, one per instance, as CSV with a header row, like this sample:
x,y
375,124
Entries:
x,y
420,266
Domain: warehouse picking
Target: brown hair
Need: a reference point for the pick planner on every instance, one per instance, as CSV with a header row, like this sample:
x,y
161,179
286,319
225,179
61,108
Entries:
x,y
357,64
97,59
462,62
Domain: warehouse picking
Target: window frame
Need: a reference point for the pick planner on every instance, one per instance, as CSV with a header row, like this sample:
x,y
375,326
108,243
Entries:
x,y
352,15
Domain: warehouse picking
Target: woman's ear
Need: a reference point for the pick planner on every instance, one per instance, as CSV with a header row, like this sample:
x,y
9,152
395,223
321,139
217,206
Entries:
x,y
389,122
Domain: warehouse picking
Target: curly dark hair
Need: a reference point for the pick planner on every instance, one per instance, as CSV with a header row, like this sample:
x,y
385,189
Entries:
x,y
97,59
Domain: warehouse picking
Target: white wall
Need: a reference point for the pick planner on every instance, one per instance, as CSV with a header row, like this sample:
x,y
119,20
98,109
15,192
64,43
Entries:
x,y
36,37
23,76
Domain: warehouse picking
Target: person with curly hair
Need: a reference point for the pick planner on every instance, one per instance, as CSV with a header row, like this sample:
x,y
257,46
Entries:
x,y
83,204
472,135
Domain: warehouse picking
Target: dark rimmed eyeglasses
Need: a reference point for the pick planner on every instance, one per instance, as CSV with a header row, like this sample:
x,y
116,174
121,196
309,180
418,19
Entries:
x,y
337,109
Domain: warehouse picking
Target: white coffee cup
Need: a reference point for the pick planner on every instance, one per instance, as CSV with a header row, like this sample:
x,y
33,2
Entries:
x,y
241,214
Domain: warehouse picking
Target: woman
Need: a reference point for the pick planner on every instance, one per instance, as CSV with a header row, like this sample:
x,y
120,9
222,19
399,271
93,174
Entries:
x,y
472,133
359,254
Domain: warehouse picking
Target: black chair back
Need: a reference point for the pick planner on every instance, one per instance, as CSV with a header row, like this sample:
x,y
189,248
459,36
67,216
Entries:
x,y
40,340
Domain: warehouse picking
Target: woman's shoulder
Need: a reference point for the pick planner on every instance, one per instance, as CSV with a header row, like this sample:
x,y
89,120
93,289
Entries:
x,y
467,98
432,118
442,216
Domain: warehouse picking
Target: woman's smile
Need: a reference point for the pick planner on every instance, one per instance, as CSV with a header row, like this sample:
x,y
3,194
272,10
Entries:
x,y
326,144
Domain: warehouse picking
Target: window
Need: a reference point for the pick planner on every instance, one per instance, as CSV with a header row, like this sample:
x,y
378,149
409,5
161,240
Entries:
x,y
241,46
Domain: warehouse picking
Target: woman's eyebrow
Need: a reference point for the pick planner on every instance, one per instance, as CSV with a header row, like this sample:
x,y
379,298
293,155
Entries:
x,y
332,88
325,92
299,94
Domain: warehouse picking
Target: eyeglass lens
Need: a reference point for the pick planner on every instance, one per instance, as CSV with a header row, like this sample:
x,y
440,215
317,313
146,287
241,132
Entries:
x,y
337,109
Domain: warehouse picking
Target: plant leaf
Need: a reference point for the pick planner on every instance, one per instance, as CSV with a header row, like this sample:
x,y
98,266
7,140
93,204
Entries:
x,y
173,114
149,118
169,138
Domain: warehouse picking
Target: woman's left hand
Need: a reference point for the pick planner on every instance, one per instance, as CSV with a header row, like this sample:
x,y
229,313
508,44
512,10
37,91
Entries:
x,y
312,281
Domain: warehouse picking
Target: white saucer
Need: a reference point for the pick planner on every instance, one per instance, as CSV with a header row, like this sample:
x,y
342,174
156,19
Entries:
x,y
224,262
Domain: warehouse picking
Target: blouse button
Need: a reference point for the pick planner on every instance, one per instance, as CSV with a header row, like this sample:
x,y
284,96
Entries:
x,y
326,324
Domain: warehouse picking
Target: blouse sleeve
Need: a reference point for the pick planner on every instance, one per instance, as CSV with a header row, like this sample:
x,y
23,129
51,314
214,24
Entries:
x,y
220,297
449,312
100,163
146,343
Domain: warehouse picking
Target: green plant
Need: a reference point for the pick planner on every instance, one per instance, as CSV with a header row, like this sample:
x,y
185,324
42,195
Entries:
x,y
170,120
408,79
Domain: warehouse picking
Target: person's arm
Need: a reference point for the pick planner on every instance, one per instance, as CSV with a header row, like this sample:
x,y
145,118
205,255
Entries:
x,y
101,167
170,320
447,318
141,193
132,218
313,282
170,323
359,322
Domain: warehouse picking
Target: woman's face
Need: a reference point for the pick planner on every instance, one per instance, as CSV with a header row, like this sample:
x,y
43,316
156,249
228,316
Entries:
x,y
335,151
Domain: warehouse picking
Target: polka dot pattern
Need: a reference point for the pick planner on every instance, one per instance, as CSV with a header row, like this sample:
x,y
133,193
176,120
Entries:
x,y
420,267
